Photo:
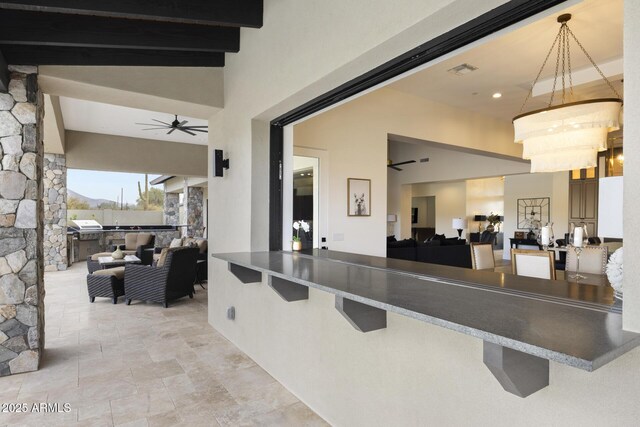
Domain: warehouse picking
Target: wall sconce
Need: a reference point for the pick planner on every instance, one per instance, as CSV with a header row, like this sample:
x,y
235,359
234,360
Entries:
x,y
219,163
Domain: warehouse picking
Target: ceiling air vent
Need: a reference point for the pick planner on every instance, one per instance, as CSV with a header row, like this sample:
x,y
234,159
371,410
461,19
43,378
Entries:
x,y
462,69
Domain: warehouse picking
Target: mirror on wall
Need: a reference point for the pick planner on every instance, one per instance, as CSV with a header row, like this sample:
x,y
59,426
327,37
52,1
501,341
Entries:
x,y
305,198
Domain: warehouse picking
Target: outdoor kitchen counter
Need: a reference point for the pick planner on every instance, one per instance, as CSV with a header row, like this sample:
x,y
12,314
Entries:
x,y
567,330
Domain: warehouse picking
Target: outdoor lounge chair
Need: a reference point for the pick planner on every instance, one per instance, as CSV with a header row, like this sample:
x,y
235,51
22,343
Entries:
x,y
172,278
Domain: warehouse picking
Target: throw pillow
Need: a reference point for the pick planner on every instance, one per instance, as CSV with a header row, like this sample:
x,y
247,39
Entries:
x,y
163,257
176,243
391,238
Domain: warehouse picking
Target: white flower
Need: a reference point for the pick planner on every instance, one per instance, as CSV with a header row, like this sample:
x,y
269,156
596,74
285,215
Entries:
x,y
296,225
305,226
614,270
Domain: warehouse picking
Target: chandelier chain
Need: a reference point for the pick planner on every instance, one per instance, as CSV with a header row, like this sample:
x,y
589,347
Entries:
x,y
539,73
594,64
563,42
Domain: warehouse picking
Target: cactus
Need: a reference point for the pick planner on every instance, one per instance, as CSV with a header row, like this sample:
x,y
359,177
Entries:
x,y
144,196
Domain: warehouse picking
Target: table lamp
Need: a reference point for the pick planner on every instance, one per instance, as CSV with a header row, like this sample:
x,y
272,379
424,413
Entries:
x,y
459,224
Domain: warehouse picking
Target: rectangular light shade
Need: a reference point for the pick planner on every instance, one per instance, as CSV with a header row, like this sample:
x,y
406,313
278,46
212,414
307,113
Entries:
x,y
392,218
458,223
610,207
480,218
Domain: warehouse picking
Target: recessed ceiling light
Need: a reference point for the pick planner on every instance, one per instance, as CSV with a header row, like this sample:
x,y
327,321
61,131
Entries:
x,y
497,95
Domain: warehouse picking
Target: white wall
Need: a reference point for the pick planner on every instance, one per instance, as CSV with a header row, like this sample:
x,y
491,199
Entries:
x,y
410,373
631,164
484,196
552,185
110,216
451,202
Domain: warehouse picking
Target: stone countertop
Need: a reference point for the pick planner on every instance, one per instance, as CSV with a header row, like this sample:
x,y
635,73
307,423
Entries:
x,y
572,333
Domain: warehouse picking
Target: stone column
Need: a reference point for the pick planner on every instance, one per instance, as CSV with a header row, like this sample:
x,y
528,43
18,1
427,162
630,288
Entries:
x,y
21,219
195,204
55,212
171,208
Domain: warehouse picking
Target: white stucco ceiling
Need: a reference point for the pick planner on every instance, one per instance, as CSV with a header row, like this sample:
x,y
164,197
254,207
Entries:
x,y
96,117
509,63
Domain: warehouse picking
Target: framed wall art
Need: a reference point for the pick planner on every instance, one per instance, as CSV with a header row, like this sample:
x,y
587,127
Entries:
x,y
534,212
358,197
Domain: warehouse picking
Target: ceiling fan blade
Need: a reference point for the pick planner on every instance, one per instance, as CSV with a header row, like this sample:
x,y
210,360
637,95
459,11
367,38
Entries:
x,y
172,129
394,168
154,129
164,123
192,127
182,123
402,163
194,130
148,124
186,131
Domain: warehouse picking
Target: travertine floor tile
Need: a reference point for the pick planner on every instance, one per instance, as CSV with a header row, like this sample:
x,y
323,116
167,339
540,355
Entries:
x,y
143,365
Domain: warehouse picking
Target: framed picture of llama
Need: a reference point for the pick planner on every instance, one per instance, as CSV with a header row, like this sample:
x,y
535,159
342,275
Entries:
x,y
358,197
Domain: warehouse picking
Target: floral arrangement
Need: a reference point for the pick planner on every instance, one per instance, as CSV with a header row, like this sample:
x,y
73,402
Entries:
x,y
493,219
614,271
297,225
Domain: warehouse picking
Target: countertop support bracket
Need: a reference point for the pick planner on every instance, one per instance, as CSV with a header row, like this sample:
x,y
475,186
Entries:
x,y
288,290
362,317
244,274
518,373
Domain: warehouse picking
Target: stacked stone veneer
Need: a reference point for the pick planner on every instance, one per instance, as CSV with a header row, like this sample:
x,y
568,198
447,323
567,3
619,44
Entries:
x,y
21,216
55,212
195,210
171,208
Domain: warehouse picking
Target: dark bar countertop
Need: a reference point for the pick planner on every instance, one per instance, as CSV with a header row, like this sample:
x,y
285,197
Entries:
x,y
573,324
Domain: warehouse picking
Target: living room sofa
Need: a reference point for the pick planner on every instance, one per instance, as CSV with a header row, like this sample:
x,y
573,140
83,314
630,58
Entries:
x,y
453,252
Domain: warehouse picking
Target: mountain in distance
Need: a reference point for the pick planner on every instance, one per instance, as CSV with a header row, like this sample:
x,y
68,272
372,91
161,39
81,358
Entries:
x,y
93,203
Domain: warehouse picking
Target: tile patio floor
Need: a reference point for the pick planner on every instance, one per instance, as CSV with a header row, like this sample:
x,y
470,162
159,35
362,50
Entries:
x,y
143,365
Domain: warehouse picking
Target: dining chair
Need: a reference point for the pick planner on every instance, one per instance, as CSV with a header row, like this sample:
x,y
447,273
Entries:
x,y
533,263
482,256
593,259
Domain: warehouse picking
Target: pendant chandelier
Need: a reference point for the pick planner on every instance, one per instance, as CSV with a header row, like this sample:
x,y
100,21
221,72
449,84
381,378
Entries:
x,y
567,136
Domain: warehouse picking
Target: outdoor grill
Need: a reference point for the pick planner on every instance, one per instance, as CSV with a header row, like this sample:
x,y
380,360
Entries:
x,y
87,234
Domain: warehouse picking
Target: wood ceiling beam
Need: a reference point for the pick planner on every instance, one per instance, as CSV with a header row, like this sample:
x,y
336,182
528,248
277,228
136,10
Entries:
x,y
236,13
4,75
56,29
64,55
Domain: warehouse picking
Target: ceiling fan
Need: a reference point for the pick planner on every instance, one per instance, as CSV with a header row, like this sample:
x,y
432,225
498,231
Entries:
x,y
175,125
394,166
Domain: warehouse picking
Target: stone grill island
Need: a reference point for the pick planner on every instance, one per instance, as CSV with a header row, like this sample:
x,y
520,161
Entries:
x,y
524,322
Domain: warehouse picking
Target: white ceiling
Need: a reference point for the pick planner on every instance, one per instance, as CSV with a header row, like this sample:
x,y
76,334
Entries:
x,y
508,64
96,117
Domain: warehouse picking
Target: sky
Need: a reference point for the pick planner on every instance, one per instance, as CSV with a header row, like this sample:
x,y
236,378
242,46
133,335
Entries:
x,y
107,185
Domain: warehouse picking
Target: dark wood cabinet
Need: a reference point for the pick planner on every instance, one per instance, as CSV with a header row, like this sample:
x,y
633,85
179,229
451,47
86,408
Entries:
x,y
583,202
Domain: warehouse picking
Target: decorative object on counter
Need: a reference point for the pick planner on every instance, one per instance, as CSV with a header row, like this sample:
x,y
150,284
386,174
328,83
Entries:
x,y
577,238
545,237
459,224
569,135
615,273
117,254
296,244
494,220
358,197
518,235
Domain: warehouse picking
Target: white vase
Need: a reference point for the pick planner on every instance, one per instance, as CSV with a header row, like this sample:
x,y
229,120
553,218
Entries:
x,y
117,254
296,245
